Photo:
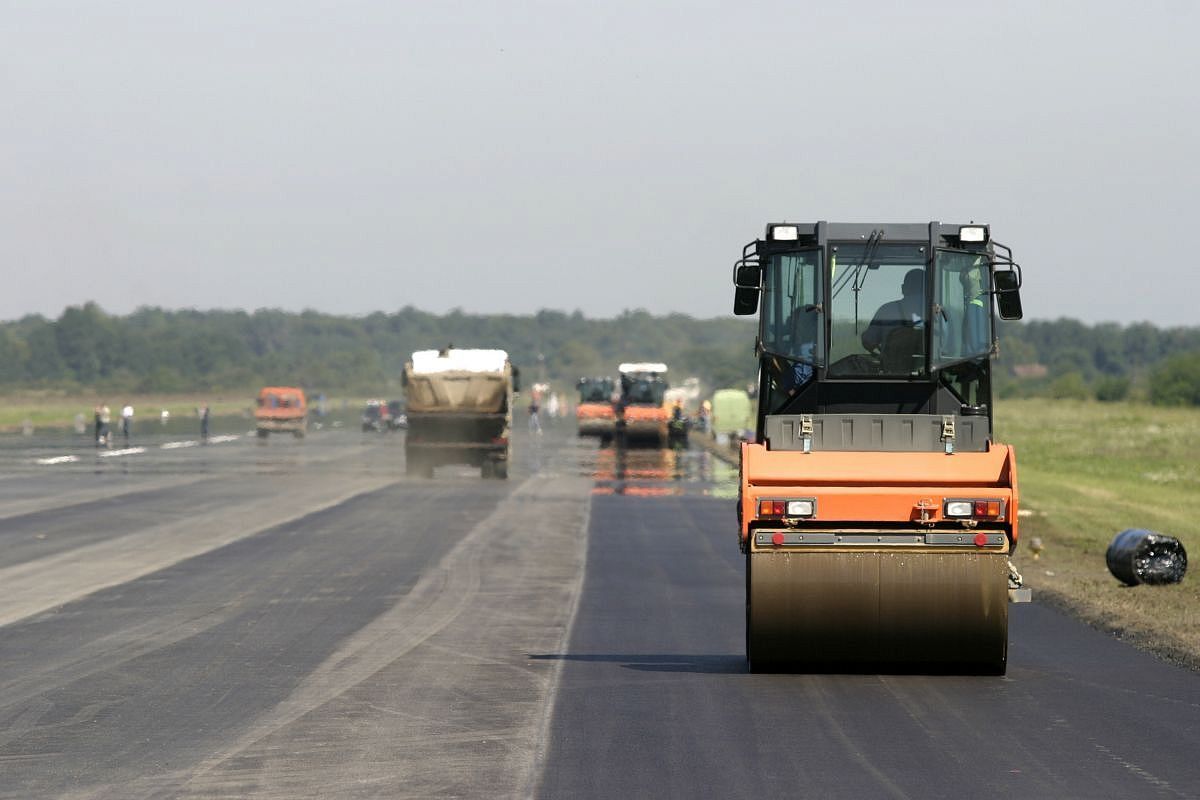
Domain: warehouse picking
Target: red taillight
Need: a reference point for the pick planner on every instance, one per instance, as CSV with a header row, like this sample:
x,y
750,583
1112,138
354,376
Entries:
x,y
772,508
986,509
500,440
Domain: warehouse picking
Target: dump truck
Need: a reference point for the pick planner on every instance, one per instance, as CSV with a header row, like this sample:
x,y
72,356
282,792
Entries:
x,y
281,409
459,410
642,419
594,414
876,511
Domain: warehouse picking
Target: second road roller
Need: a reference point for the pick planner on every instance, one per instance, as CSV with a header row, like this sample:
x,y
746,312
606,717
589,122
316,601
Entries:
x,y
876,511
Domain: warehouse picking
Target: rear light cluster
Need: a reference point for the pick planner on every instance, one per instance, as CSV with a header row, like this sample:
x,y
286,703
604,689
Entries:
x,y
974,509
779,509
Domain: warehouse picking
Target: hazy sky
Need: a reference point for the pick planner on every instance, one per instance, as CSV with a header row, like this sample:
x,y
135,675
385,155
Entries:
x,y
510,156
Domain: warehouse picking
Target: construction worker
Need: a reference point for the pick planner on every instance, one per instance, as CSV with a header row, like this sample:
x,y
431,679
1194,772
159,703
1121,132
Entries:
x,y
907,312
975,317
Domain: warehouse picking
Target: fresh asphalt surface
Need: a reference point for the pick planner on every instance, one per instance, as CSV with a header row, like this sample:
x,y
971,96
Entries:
x,y
298,619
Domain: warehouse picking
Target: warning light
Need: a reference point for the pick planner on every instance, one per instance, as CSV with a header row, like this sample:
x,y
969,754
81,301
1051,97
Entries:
x,y
980,539
777,539
989,508
805,507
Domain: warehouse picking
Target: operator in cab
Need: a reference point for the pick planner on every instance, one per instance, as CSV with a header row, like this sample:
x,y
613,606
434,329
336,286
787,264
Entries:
x,y
907,312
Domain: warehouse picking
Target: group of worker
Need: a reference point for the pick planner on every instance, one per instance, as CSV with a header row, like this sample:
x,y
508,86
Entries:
x,y
103,423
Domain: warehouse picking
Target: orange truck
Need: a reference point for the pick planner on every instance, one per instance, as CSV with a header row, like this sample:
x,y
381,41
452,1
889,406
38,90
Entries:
x,y
281,409
594,414
642,419
876,512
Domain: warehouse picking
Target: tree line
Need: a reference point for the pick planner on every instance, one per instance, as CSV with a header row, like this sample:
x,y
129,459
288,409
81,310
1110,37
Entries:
x,y
154,350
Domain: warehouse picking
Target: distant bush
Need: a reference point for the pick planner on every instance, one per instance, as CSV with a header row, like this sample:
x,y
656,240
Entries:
x,y
1176,381
1069,386
1112,389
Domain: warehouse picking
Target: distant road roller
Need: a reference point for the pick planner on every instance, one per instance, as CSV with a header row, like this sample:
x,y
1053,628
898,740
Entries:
x,y
594,414
642,419
876,512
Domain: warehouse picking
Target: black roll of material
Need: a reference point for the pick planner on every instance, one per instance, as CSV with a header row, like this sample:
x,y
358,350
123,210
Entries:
x,y
1141,556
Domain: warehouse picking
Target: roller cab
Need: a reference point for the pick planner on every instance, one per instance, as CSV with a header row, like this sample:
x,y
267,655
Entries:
x,y
876,512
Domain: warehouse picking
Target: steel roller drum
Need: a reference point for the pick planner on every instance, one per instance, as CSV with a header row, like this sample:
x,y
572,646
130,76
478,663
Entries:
x,y
858,609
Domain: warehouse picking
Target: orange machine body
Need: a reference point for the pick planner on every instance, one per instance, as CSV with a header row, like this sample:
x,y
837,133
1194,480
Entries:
x,y
595,411
857,488
595,419
646,421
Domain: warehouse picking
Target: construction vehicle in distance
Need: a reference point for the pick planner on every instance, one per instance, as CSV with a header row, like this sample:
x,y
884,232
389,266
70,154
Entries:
x,y
641,417
281,409
682,404
594,414
459,410
877,513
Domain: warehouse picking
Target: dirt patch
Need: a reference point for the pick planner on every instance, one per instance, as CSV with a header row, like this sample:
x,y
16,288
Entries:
x,y
1073,577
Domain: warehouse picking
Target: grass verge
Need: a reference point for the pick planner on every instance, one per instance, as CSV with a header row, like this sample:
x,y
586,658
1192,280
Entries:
x,y
1087,471
57,410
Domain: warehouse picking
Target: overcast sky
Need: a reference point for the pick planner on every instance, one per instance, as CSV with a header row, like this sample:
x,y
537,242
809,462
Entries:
x,y
511,156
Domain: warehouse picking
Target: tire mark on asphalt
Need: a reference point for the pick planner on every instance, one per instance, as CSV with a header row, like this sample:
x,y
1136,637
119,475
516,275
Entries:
x,y
37,586
457,599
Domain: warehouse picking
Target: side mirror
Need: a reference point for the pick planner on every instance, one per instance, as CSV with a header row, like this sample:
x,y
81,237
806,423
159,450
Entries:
x,y
516,379
1008,293
404,378
747,278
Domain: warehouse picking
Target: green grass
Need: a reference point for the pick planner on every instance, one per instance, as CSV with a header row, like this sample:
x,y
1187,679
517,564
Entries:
x,y
1090,470
55,410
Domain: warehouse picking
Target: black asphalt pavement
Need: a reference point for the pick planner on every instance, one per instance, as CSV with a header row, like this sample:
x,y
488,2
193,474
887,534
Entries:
x,y
655,700
297,619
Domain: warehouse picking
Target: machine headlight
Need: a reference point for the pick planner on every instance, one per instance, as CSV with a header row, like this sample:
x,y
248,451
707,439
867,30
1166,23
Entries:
x,y
958,508
800,508
972,233
785,233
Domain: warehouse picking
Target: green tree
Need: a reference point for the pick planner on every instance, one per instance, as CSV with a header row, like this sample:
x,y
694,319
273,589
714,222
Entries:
x,y
1112,389
1176,381
1068,386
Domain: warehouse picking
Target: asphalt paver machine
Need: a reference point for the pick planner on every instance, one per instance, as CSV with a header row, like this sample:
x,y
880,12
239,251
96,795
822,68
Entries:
x,y
876,512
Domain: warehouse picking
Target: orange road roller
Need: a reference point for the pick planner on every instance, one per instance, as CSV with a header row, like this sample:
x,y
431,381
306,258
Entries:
x,y
876,512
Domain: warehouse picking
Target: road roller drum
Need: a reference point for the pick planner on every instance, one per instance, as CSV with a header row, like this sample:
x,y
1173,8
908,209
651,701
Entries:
x,y
904,610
